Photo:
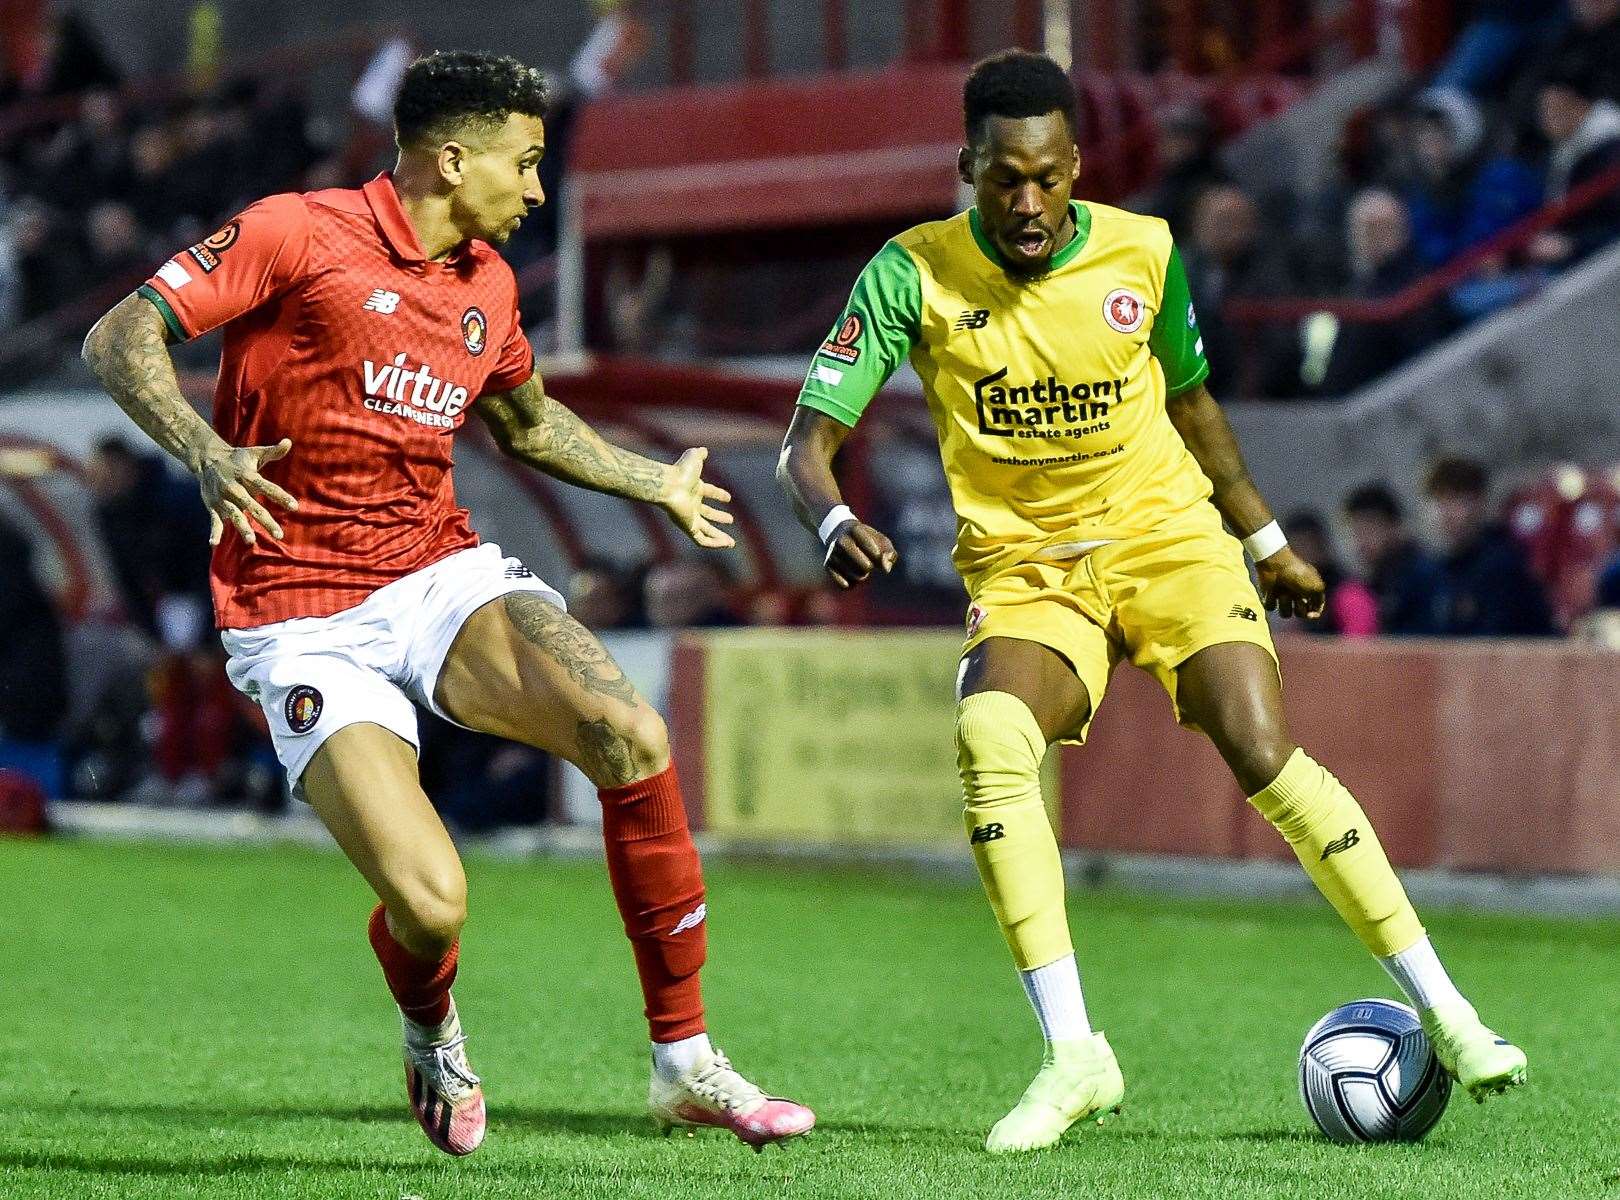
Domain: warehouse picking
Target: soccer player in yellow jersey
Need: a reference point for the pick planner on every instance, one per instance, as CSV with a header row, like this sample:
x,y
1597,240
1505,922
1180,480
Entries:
x,y
1090,472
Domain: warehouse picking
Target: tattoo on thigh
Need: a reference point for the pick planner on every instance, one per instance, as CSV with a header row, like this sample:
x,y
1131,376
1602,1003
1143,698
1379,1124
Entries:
x,y
570,644
604,753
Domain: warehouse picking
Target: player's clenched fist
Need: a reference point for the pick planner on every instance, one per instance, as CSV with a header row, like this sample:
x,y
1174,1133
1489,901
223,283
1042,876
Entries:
x,y
691,503
231,486
1290,585
855,550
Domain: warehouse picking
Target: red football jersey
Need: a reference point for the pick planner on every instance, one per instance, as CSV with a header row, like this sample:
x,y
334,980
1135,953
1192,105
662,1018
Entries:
x,y
342,336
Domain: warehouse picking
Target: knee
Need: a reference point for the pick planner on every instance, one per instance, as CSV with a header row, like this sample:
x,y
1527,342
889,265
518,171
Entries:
x,y
999,746
431,910
620,748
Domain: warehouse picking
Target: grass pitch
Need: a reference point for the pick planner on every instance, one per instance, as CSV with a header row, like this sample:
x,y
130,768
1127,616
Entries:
x,y
209,1022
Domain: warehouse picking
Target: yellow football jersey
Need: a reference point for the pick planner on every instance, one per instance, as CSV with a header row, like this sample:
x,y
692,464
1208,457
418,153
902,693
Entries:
x,y
1048,393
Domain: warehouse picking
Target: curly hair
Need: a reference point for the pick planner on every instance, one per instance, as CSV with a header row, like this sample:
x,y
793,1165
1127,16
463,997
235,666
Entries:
x,y
444,91
1015,83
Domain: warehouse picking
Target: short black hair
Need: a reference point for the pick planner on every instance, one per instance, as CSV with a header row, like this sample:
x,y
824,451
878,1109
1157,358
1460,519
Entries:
x,y
1458,477
1577,71
1374,500
1015,83
448,89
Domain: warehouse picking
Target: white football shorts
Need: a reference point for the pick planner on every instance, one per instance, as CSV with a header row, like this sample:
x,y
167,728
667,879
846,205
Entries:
x,y
373,662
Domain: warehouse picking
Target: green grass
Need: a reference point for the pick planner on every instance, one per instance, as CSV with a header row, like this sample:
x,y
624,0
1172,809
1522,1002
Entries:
x,y
209,1022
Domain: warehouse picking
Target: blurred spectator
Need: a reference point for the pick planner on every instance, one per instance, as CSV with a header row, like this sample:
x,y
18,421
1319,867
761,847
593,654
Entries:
x,y
33,669
1227,259
1584,129
1382,264
601,596
479,782
154,529
1351,609
50,265
1497,36
1408,585
688,593
114,237
1187,164
57,56
1490,589
87,159
1593,29
1463,195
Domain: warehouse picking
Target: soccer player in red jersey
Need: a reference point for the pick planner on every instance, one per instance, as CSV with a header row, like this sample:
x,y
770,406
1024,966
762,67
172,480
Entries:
x,y
360,327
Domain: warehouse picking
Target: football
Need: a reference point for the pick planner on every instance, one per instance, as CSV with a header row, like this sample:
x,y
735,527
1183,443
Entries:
x,y
1368,1074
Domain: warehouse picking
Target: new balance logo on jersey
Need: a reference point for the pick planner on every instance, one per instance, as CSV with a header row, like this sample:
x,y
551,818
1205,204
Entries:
x,y
1242,613
1351,838
419,395
381,301
691,920
992,832
973,318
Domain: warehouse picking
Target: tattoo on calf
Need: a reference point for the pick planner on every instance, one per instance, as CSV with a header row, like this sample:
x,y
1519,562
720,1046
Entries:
x,y
604,754
569,644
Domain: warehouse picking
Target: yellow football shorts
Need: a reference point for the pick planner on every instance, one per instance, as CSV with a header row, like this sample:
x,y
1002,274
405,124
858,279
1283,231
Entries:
x,y
1156,599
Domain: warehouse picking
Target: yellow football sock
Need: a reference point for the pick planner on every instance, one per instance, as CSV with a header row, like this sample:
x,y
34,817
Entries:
x,y
1340,852
999,747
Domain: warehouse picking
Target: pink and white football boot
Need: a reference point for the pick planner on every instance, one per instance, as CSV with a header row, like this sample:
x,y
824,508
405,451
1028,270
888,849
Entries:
x,y
445,1094
713,1093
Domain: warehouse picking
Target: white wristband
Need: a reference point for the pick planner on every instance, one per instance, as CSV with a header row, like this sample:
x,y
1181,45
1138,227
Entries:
x,y
831,522
1265,541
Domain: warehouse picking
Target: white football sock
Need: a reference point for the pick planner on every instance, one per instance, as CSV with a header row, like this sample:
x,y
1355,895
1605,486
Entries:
x,y
674,1059
432,1035
1054,992
1417,969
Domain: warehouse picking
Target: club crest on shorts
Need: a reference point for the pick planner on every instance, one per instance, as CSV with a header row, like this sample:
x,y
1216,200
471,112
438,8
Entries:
x,y
303,708
474,330
1123,310
975,618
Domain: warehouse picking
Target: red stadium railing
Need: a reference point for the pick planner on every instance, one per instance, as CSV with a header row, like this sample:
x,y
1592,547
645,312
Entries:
x,y
1436,284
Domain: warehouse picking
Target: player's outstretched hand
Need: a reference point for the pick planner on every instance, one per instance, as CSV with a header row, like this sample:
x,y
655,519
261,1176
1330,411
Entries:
x,y
693,504
1291,586
857,550
231,488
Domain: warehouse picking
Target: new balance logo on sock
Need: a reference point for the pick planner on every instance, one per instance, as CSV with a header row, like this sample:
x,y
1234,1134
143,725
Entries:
x,y
1244,613
691,920
987,833
1349,839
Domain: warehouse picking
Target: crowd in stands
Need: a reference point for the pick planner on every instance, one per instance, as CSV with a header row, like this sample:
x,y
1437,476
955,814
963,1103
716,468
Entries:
x,y
92,202
1524,112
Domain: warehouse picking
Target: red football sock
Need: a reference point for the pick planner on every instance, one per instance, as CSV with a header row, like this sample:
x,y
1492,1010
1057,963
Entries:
x,y
421,987
658,883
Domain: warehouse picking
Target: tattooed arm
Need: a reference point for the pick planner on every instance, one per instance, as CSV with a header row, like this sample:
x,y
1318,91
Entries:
x,y
128,351
531,427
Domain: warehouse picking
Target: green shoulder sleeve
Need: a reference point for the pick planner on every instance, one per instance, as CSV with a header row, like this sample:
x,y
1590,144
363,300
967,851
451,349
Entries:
x,y
878,329
1175,340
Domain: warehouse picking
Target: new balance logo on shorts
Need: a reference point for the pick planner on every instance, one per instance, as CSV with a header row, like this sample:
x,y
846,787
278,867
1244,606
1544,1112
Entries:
x,y
381,301
1243,613
519,571
986,833
691,920
973,318
1352,838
